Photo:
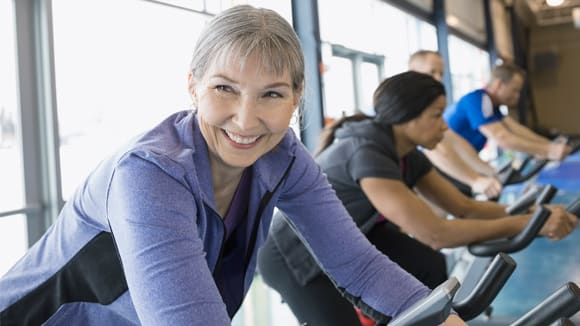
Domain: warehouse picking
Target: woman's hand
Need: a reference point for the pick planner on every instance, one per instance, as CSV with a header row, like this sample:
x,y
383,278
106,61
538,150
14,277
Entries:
x,y
453,320
559,224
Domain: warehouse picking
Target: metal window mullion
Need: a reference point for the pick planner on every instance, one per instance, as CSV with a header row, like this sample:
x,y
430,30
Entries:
x,y
34,209
39,131
520,60
305,19
490,36
381,71
439,17
356,62
357,58
171,5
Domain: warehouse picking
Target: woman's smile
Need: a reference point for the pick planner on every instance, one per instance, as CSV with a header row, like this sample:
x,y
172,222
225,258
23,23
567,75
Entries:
x,y
240,141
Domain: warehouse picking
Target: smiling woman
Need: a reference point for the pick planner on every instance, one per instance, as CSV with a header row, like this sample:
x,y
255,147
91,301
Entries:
x,y
243,112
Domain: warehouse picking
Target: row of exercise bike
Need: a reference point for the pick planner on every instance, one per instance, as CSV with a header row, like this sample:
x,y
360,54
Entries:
x,y
492,266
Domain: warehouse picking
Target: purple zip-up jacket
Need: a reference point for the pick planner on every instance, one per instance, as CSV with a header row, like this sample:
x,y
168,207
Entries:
x,y
139,241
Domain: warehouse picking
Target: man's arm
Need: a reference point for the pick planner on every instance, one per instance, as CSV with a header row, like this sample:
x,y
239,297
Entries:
x,y
468,168
523,131
507,139
469,154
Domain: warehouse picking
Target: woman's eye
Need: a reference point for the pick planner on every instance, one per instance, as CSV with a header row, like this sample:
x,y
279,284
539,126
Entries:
x,y
273,94
224,88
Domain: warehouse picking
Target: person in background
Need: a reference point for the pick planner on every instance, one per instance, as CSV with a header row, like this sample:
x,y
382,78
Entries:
x,y
374,165
476,117
166,231
468,169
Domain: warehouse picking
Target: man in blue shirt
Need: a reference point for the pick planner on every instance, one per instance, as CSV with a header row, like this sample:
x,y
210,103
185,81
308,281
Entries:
x,y
477,117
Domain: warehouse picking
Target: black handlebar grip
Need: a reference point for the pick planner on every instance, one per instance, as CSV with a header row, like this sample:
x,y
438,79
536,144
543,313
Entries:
x,y
523,203
516,243
487,288
565,302
574,207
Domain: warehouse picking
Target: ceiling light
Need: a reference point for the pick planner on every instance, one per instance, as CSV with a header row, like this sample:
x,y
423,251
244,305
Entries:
x,y
554,3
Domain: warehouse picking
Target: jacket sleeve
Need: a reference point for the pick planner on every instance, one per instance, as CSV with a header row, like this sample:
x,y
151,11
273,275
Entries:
x,y
153,220
367,277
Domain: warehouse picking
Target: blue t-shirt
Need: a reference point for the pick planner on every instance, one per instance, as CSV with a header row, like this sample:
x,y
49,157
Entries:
x,y
472,111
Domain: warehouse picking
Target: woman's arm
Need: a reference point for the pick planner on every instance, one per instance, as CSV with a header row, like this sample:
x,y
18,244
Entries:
x,y
401,206
432,185
358,269
152,218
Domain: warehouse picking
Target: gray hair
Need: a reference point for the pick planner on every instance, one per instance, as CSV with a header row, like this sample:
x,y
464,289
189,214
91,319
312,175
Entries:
x,y
243,31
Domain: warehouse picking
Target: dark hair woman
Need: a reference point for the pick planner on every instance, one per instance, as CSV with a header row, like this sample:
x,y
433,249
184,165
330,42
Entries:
x,y
374,165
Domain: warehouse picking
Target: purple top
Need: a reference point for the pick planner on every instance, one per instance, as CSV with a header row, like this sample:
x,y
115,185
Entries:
x,y
156,198
239,206
228,276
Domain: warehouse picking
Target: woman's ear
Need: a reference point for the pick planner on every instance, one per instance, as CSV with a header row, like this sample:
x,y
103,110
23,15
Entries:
x,y
190,83
298,95
191,88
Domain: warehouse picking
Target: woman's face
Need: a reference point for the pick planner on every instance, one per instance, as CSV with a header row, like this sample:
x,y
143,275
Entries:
x,y
243,112
427,129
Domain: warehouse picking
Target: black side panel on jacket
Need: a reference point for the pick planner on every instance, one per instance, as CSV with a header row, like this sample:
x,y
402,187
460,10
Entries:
x,y
94,274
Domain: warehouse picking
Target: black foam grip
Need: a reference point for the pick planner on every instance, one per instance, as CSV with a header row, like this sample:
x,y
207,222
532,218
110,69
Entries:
x,y
487,288
546,194
516,243
565,302
523,203
574,207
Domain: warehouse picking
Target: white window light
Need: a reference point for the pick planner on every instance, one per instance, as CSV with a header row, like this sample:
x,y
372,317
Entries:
x,y
576,17
554,3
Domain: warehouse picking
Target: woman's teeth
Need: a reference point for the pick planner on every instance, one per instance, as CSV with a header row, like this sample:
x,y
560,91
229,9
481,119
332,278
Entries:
x,y
241,140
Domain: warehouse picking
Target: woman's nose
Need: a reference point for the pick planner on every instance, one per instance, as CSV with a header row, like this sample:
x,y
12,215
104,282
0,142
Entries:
x,y
246,116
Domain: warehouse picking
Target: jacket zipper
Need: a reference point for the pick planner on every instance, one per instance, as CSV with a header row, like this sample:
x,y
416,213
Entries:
x,y
263,203
217,263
